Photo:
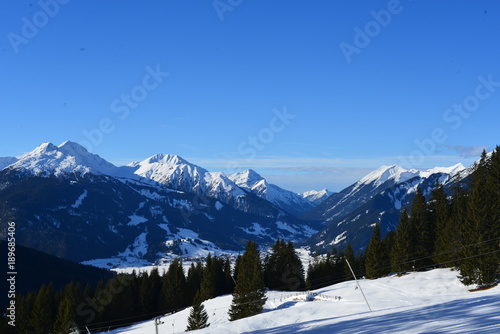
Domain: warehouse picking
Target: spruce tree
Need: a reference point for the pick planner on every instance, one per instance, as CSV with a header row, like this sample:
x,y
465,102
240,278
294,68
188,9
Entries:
x,y
425,231
66,317
209,282
249,296
404,245
440,213
375,262
193,280
283,269
174,287
43,314
198,317
349,256
228,278
479,250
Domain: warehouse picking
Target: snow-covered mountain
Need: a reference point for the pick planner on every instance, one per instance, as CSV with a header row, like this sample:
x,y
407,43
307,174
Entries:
x,y
69,157
379,196
285,199
177,173
73,204
316,197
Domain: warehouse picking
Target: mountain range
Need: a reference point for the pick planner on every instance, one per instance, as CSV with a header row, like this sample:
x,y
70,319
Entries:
x,y
73,204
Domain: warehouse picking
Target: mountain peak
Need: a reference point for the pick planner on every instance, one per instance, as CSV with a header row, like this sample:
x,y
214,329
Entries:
x,y
385,173
43,148
246,179
170,159
69,157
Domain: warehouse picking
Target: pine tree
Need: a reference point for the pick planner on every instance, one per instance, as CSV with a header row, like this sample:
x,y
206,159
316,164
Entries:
x,y
441,215
283,269
249,296
349,256
403,249
212,283
174,287
145,293
198,317
193,280
43,314
425,231
229,283
478,253
155,286
24,307
66,317
375,263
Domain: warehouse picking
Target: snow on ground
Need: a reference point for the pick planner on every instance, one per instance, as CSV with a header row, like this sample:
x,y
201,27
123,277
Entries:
x,y
426,302
80,199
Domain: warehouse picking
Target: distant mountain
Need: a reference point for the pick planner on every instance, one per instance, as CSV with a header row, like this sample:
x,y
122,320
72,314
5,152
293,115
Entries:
x,y
73,204
177,173
284,199
67,158
316,197
348,216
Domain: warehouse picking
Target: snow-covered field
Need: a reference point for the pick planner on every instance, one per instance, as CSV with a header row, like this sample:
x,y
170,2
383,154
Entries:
x,y
426,302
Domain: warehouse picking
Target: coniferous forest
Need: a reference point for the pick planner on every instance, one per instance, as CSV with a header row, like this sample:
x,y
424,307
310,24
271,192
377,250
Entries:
x,y
460,230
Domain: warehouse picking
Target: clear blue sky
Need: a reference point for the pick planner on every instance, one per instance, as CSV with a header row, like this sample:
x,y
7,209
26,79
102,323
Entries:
x,y
355,100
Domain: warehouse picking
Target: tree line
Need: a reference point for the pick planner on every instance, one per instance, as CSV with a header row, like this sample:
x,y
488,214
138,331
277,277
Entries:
x,y
130,298
461,230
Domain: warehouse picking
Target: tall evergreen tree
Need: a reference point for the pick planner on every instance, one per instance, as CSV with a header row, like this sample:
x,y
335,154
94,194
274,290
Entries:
x,y
440,212
425,231
174,287
376,257
249,296
403,249
66,317
24,307
349,256
214,278
198,317
283,269
478,260
229,283
193,280
43,314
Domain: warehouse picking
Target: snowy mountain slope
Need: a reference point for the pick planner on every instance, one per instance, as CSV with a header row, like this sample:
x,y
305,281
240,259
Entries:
x,y
424,302
348,216
285,199
73,204
177,173
316,197
66,158
347,200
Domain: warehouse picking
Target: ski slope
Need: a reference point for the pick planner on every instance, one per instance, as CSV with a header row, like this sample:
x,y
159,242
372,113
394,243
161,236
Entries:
x,y
426,302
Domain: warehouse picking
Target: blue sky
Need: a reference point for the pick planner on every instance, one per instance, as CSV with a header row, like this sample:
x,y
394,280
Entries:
x,y
311,94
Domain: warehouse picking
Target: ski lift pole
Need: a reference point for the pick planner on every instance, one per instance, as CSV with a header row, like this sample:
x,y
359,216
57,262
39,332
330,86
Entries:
x,y
157,322
357,283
